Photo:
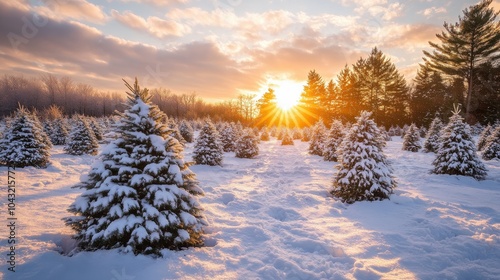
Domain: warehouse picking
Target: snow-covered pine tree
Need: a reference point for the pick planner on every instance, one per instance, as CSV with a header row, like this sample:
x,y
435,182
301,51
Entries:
x,y
96,128
306,134
228,138
141,196
457,152
483,137
59,132
431,143
296,133
186,131
36,121
363,170
333,141
287,139
274,131
172,124
492,146
318,138
81,139
264,136
48,128
208,148
247,145
24,142
384,134
411,140
280,134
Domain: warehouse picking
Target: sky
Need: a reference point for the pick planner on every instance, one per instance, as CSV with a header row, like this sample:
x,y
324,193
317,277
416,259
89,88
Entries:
x,y
217,49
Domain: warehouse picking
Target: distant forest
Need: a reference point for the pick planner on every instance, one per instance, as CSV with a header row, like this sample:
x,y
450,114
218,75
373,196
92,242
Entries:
x,y
462,68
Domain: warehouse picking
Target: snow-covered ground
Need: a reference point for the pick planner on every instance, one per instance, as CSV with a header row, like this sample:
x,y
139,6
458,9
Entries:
x,y
272,218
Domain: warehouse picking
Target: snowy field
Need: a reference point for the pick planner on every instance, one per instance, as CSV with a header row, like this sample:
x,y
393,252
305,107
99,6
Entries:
x,y
272,218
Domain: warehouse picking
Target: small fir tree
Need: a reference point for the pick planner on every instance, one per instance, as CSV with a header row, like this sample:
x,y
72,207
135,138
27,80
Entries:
x,y
186,131
247,145
287,139
457,152
333,141
483,137
264,136
24,142
96,128
281,133
141,196
363,170
172,124
228,138
318,139
59,132
411,140
296,133
306,134
492,147
208,149
431,143
81,140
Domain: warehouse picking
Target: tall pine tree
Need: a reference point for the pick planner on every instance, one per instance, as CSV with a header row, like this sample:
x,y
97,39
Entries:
x,y
467,45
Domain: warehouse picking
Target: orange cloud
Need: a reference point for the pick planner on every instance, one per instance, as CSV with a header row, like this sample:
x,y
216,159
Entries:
x,y
154,25
76,9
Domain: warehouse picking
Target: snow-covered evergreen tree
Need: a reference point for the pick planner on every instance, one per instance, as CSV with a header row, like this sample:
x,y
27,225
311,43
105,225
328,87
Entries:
x,y
228,138
247,145
457,152
186,131
274,131
492,146
96,128
81,139
363,170
24,142
208,148
48,128
318,139
59,132
483,137
287,139
296,133
411,140
431,143
141,196
306,134
264,136
333,141
174,128
281,133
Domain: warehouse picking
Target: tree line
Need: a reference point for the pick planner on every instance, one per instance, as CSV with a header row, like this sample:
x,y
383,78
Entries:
x,y
46,91
463,68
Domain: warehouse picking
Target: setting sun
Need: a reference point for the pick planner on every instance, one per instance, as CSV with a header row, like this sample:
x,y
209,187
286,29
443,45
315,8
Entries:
x,y
287,93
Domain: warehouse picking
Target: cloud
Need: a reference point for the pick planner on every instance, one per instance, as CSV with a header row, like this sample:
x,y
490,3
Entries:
x,y
408,36
155,26
376,8
252,26
86,55
158,3
432,11
76,9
